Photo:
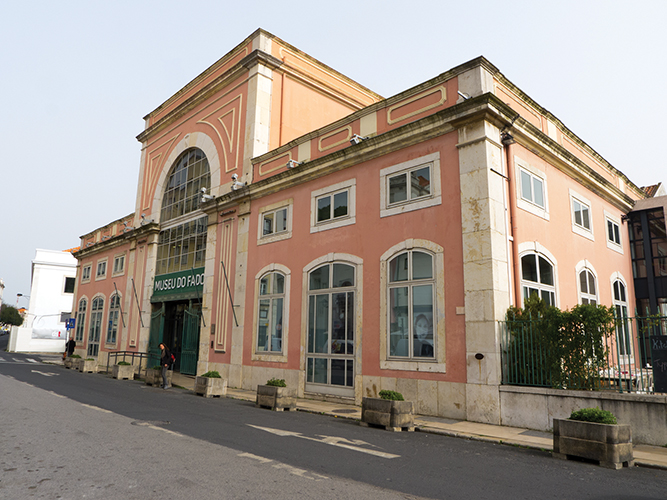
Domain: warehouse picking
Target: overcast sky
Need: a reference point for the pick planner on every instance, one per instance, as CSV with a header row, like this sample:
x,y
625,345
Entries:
x,y
76,78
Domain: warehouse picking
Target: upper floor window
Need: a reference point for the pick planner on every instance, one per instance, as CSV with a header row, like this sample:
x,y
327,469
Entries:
x,y
532,188
101,270
587,288
411,305
85,272
182,194
410,185
537,277
613,232
274,222
118,265
69,285
270,319
582,220
623,335
333,206
182,247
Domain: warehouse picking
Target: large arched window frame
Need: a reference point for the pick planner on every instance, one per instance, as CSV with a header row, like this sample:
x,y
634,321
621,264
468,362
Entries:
x,y
81,320
538,277
182,194
388,345
587,283
95,328
619,296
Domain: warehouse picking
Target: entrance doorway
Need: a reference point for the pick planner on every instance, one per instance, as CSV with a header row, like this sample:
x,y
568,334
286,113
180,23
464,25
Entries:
x,y
176,324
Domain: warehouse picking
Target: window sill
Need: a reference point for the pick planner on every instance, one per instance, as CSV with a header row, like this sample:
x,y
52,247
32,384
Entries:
x,y
274,237
410,206
413,366
324,226
277,357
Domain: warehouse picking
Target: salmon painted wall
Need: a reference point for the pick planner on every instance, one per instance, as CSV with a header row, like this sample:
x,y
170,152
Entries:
x,y
368,239
558,237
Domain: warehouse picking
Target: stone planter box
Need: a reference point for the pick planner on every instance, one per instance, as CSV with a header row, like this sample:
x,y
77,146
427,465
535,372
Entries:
x,y
154,377
275,398
392,415
69,362
210,387
123,372
88,365
610,445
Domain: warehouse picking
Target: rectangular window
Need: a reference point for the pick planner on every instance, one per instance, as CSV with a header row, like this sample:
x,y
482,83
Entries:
x,y
274,222
613,232
101,270
69,285
532,188
410,185
332,206
581,214
119,264
85,273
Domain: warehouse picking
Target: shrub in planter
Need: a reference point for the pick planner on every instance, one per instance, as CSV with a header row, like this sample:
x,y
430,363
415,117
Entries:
x,y
275,395
593,434
390,411
88,365
123,371
210,384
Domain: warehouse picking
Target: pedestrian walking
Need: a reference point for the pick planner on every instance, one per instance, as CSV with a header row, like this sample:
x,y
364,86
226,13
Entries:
x,y
165,363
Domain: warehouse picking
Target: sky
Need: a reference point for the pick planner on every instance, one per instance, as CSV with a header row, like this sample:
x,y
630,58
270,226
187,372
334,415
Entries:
x,y
77,78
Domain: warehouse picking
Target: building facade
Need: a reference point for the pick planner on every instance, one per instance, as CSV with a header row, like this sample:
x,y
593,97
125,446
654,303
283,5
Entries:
x,y
291,223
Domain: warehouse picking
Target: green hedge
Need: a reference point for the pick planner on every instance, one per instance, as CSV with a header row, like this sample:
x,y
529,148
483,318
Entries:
x,y
391,395
594,415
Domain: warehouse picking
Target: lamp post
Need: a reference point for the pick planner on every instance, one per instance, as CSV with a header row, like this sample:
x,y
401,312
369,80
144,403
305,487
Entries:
x,y
18,296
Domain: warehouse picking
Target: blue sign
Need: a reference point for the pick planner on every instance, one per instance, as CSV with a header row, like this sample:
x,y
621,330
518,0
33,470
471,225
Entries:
x,y
70,323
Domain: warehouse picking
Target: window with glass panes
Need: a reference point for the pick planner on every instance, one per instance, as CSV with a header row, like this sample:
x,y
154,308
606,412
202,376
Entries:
x,y
581,214
94,332
333,206
80,320
270,313
613,232
114,315
587,288
182,247
532,188
274,222
85,273
622,322
118,264
411,311
537,277
182,194
409,185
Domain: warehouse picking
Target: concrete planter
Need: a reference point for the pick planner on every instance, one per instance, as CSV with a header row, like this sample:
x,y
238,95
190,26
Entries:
x,y
392,415
69,362
154,377
123,372
210,387
88,366
610,445
275,398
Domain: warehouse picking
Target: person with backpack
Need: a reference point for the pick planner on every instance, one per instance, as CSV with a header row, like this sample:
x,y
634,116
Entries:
x,y
165,362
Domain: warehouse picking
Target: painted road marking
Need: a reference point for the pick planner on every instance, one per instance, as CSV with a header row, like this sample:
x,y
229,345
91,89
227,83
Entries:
x,y
279,465
332,440
46,374
31,360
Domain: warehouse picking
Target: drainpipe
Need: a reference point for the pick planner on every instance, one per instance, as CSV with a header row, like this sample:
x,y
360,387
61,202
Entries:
x,y
507,140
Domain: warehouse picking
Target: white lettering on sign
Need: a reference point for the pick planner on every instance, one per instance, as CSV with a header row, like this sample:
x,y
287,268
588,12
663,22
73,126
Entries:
x,y
188,281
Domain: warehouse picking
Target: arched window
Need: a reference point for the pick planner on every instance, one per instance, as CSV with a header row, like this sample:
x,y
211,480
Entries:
x,y
587,288
331,325
96,311
622,324
411,312
114,313
182,195
537,277
270,319
80,320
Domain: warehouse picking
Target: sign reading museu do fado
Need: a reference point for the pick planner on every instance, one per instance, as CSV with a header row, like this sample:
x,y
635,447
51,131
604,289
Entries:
x,y
179,283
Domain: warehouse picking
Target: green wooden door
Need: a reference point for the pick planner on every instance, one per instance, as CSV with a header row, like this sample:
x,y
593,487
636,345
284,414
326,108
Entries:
x,y
155,337
190,346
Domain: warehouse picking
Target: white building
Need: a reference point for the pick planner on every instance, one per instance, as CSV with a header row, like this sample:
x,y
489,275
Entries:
x,y
50,306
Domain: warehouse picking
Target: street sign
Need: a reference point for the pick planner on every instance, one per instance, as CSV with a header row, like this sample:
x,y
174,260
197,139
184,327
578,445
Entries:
x,y
70,323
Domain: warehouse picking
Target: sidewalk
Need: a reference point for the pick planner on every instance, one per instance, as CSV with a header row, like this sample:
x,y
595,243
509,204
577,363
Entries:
x,y
645,455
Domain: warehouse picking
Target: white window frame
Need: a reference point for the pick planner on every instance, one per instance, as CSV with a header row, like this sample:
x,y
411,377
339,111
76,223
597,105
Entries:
x,y
351,187
580,229
116,259
89,268
437,363
611,244
619,303
263,239
80,326
100,276
434,198
537,285
113,322
524,204
272,356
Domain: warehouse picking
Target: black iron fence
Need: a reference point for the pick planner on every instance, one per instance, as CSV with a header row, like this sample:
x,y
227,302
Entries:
x,y
621,360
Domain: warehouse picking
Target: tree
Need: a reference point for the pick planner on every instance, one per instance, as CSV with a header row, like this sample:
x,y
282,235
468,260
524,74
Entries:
x,y
10,315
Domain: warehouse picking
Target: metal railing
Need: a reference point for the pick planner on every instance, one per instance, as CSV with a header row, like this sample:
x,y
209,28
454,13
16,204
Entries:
x,y
134,358
530,358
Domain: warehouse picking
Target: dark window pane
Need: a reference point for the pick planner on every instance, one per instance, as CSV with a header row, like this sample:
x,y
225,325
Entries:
x,y
343,275
324,209
529,267
422,265
340,204
319,278
398,268
398,188
420,182
546,272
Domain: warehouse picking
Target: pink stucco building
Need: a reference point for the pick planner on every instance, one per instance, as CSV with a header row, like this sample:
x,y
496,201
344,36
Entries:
x,y
291,223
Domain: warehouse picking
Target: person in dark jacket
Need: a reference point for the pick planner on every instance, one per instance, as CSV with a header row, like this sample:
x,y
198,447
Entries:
x,y
165,362
69,347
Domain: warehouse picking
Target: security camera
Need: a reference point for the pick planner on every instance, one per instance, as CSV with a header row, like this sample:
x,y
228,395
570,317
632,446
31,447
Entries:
x,y
203,190
356,139
235,177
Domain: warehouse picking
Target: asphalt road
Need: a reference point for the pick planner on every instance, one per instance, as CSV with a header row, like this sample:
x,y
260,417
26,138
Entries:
x,y
142,442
